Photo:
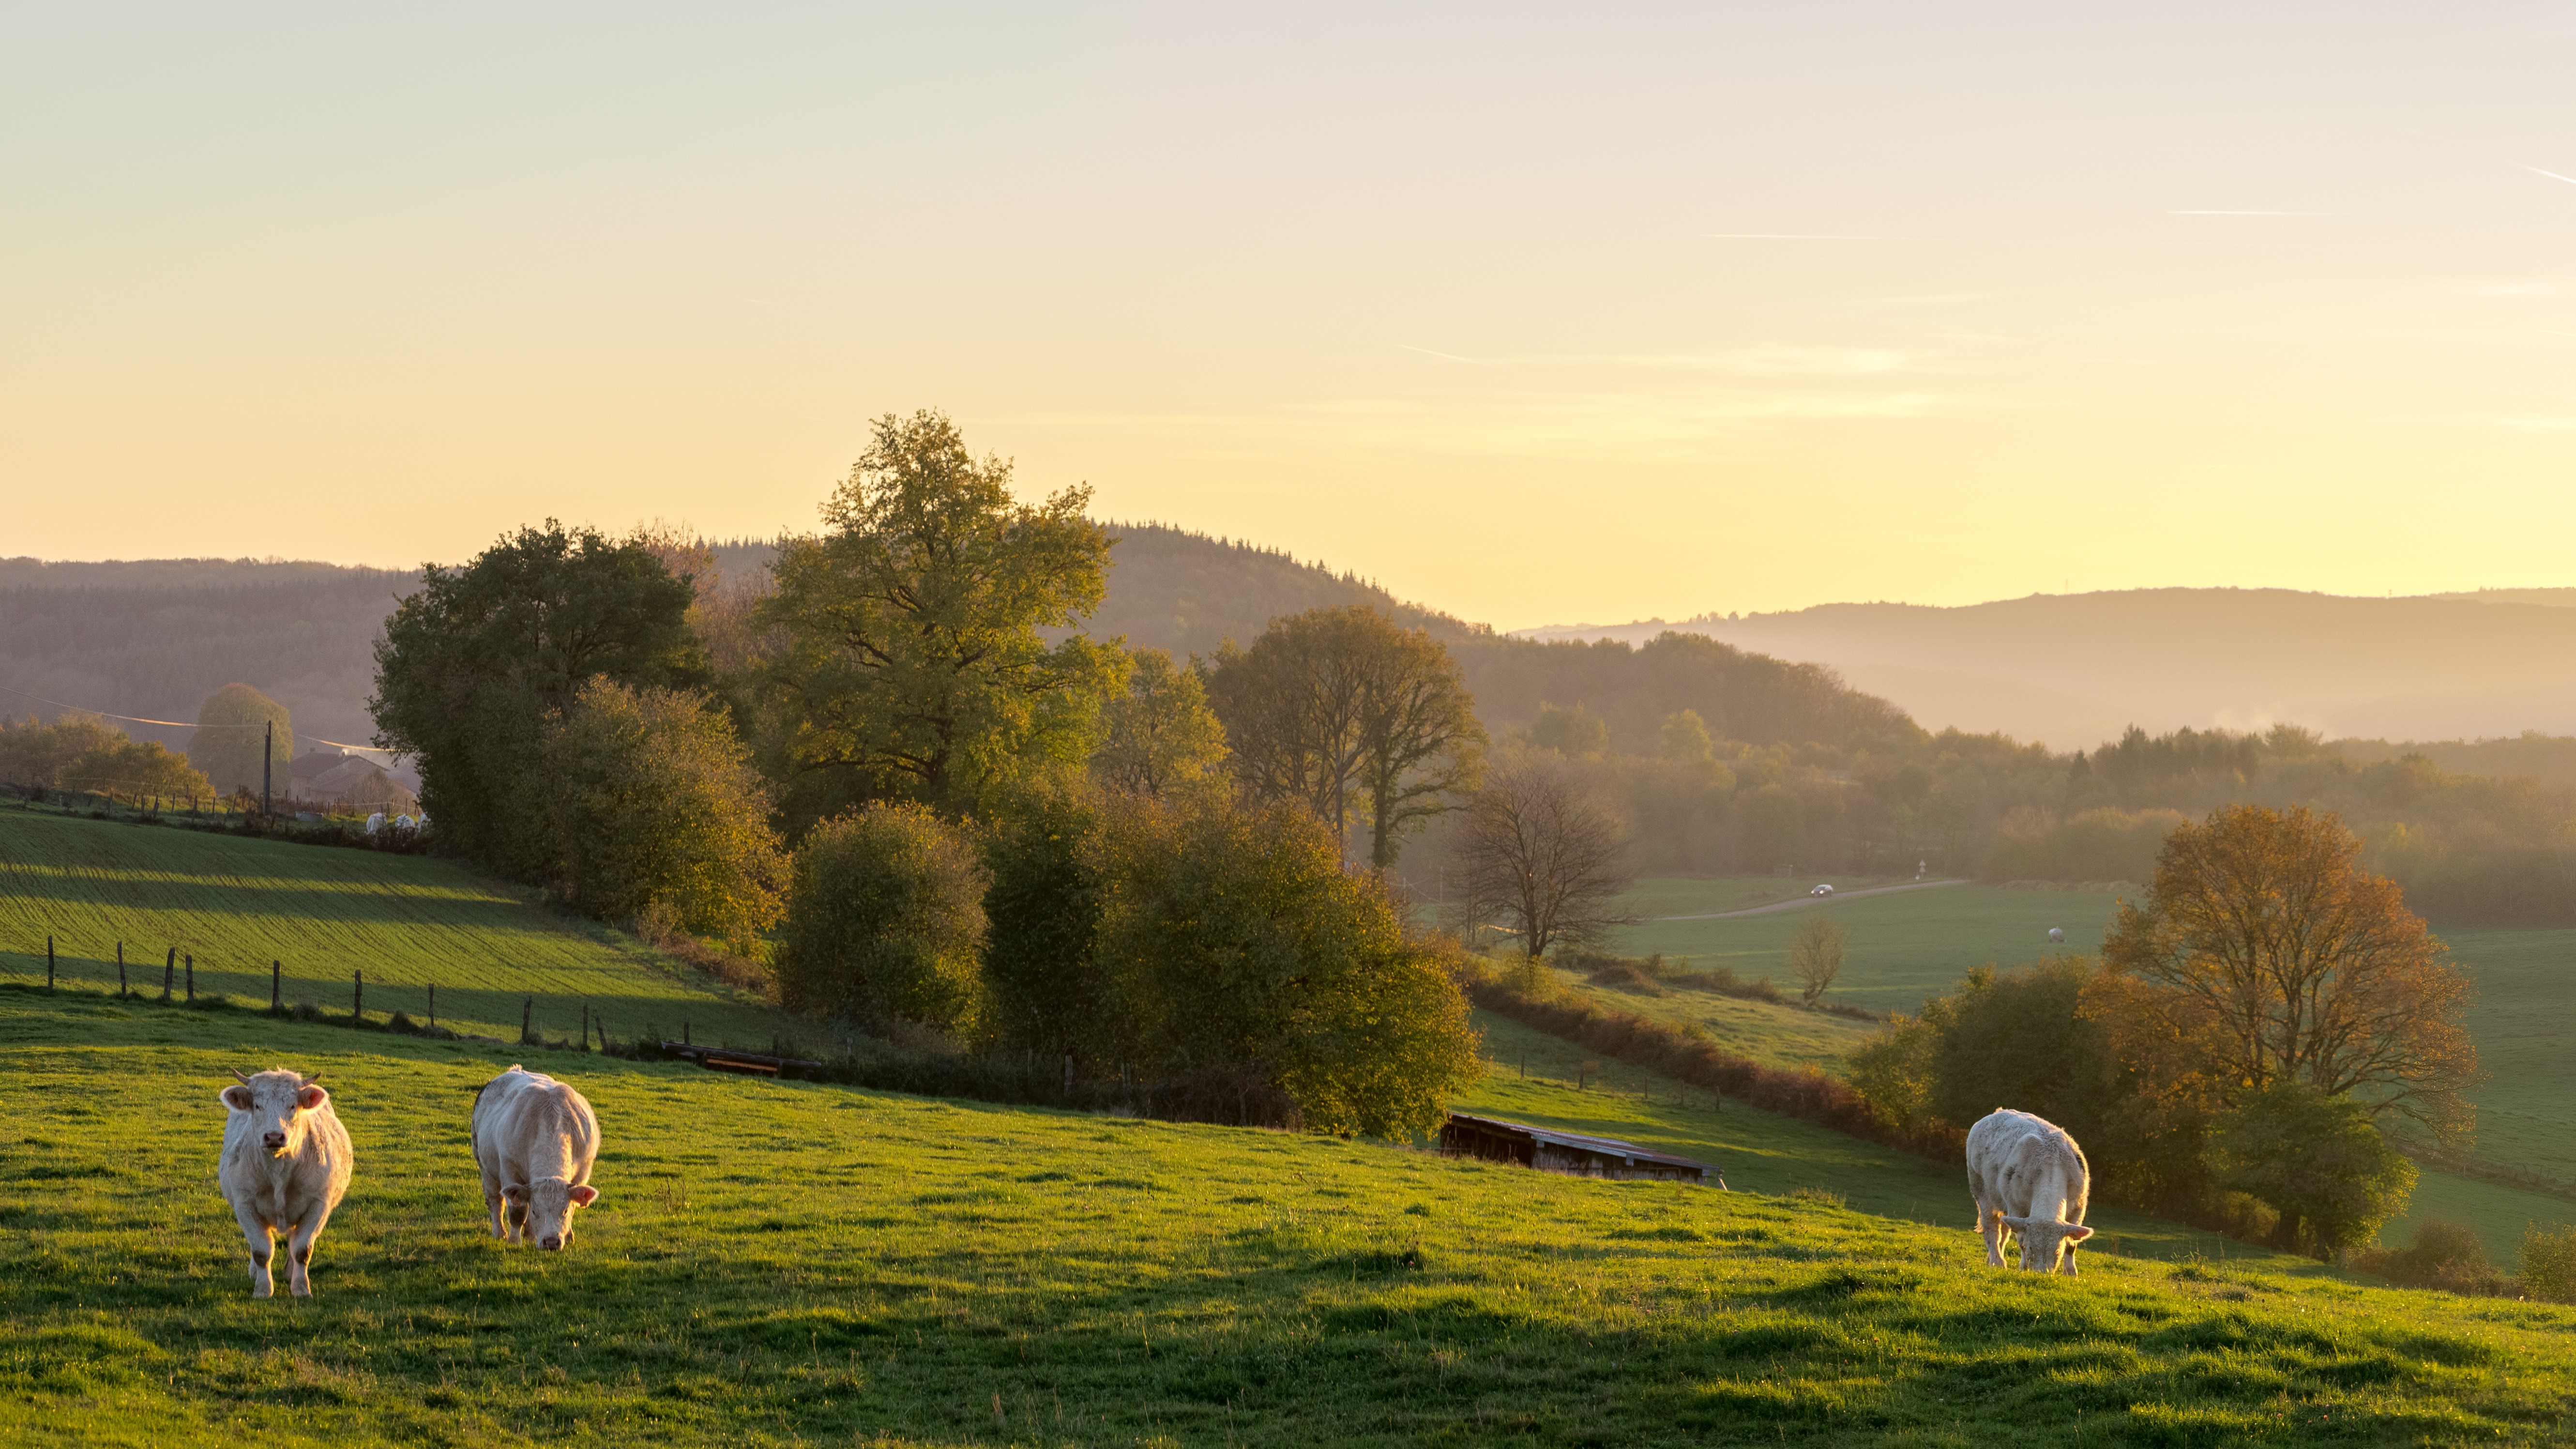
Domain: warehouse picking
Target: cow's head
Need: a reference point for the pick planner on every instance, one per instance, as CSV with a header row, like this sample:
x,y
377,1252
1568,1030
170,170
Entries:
x,y
279,1104
2047,1243
550,1202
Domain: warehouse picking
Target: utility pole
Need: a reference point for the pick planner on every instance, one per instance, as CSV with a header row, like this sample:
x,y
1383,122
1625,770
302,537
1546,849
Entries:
x,y
267,763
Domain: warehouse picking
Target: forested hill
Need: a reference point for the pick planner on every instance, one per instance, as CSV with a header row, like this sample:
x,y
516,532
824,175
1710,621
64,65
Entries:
x,y
155,637
2072,670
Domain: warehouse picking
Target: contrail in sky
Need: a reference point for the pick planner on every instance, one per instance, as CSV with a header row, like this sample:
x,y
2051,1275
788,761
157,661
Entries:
x,y
2552,175
1792,236
2245,213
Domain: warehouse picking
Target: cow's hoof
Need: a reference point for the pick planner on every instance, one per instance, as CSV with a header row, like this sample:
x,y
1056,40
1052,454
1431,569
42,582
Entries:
x,y
263,1291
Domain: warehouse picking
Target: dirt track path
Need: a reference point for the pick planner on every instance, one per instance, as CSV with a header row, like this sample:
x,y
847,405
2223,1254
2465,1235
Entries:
x,y
1795,902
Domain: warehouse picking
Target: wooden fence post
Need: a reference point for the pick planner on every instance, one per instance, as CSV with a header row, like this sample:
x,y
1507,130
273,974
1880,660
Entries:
x,y
276,970
169,969
684,1031
433,1003
527,1019
120,970
358,996
49,963
192,976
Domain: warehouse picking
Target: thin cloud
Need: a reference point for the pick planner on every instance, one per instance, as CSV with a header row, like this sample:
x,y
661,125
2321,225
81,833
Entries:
x,y
1768,361
2248,213
1799,236
2552,175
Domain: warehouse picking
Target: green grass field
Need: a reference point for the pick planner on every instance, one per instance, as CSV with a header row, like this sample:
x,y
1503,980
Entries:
x,y
1901,947
787,1263
1776,1035
408,922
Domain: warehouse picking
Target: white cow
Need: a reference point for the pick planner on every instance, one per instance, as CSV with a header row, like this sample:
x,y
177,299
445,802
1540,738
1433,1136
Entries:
x,y
285,1167
534,1138
2028,1176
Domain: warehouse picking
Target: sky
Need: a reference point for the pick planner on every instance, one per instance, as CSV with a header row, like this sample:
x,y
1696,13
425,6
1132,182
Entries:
x,y
1538,314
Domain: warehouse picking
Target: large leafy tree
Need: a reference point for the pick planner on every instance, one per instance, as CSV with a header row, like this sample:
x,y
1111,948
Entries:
x,y
885,920
910,659
1341,710
473,666
2269,950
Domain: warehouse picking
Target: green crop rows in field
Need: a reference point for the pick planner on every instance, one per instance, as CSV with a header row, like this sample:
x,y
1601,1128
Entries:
x,y
778,1263
407,922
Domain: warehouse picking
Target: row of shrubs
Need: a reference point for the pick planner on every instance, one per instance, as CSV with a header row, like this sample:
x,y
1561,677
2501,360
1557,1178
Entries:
x,y
1654,976
1687,1055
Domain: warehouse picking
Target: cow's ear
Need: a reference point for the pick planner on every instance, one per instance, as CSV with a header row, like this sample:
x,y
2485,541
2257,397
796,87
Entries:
x,y
237,1098
2077,1235
515,1192
311,1098
584,1195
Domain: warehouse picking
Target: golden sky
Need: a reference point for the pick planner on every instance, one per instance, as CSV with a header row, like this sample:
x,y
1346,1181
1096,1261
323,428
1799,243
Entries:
x,y
1530,313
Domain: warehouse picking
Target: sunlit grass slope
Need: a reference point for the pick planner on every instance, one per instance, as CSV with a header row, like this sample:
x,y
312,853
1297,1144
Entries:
x,y
1774,1034
408,922
778,1263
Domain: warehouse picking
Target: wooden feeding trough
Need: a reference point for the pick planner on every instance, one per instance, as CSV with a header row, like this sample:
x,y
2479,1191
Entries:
x,y
749,1064
1495,1139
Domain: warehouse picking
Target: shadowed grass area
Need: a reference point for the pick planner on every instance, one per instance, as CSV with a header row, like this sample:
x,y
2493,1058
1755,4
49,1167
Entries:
x,y
776,1263
408,922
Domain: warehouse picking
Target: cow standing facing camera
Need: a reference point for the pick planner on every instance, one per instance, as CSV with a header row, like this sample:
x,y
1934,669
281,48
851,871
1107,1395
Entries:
x,y
2029,1178
534,1138
284,1168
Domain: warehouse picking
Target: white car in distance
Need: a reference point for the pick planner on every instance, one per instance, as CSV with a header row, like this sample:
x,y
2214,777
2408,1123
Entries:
x,y
1822,890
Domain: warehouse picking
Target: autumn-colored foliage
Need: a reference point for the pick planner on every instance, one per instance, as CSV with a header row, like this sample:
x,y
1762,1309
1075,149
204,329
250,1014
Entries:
x,y
2271,956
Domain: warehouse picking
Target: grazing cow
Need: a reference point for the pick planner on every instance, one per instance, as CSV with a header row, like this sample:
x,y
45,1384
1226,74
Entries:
x,y
534,1138
2028,1176
285,1166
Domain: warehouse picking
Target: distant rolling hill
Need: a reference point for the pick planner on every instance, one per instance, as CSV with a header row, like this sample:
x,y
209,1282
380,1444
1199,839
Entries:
x,y
2072,670
154,638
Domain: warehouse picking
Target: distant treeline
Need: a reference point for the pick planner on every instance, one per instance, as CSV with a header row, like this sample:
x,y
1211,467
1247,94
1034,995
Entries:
x,y
1798,770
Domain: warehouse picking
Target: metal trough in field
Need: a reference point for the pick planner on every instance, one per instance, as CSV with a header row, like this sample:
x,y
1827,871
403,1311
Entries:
x,y
1496,1139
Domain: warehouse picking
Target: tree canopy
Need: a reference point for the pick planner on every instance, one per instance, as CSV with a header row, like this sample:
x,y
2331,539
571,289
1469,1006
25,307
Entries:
x,y
235,728
1341,710
910,661
473,665
2282,960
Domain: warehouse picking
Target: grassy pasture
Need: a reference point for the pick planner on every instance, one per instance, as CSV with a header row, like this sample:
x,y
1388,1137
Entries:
x,y
776,1263
1902,947
408,922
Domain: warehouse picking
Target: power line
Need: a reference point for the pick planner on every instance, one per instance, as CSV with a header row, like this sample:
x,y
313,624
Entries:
x,y
183,724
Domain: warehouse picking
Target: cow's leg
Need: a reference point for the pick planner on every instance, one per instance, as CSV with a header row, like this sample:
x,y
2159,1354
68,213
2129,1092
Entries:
x,y
256,1233
1990,1222
492,1200
299,1248
2066,1260
516,1214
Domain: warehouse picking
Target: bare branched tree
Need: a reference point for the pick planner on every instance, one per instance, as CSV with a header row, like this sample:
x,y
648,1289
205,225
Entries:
x,y
1542,853
1816,956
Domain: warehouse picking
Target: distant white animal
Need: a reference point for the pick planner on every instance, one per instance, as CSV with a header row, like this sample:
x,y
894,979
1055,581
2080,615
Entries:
x,y
2030,1178
375,822
285,1166
1822,890
535,1139
2057,934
